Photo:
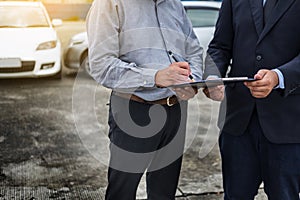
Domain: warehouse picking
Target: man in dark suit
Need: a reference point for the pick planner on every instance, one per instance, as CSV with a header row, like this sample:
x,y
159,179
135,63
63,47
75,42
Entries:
x,y
260,129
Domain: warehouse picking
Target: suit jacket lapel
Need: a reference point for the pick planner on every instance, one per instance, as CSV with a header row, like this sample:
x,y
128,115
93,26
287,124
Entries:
x,y
276,14
257,14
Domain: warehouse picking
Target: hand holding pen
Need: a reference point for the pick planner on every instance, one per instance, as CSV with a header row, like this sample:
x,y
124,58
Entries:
x,y
178,60
176,73
187,92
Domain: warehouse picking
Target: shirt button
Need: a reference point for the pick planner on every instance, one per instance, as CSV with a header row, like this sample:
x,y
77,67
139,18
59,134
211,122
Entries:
x,y
258,57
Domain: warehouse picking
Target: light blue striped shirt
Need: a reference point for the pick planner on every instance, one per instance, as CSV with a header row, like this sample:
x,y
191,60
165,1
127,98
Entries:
x,y
129,40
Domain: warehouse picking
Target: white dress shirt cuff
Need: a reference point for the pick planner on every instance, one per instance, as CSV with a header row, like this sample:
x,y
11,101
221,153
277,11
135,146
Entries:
x,y
148,77
280,79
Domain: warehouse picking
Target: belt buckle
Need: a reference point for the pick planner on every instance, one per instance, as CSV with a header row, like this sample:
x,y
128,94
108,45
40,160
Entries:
x,y
168,102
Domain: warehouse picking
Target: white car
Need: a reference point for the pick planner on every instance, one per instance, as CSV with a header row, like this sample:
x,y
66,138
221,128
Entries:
x,y
29,44
203,15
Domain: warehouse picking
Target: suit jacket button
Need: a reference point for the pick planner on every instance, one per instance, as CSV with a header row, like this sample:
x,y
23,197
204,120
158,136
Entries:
x,y
258,57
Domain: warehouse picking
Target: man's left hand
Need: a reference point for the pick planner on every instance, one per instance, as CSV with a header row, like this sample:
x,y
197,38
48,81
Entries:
x,y
265,82
185,93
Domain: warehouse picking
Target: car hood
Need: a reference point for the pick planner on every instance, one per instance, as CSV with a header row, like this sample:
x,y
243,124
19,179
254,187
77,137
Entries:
x,y
23,41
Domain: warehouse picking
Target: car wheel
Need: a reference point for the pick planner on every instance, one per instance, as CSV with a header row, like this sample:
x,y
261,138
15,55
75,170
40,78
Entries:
x,y
85,64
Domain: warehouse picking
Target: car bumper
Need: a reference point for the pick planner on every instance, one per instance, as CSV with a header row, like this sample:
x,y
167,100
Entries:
x,y
40,64
72,56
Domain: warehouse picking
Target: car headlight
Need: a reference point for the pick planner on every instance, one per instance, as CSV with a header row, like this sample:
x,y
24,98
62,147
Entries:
x,y
47,45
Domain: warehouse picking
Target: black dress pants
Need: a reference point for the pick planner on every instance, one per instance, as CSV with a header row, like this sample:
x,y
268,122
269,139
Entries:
x,y
137,146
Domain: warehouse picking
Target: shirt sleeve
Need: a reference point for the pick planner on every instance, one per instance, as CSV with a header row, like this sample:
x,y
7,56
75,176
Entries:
x,y
103,29
280,78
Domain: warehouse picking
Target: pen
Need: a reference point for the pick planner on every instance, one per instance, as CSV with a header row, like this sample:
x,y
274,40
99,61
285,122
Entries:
x,y
177,60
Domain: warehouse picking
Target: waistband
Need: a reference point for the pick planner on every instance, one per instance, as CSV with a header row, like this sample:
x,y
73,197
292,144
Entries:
x,y
169,101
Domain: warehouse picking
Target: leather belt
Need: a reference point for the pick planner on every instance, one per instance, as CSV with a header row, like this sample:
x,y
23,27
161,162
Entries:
x,y
170,101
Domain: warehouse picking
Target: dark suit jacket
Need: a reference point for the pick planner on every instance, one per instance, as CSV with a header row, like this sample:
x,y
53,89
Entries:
x,y
241,38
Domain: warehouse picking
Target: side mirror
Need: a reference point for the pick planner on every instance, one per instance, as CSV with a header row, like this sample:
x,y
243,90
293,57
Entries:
x,y
57,22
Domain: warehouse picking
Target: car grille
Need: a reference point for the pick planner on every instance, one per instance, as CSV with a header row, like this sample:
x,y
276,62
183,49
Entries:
x,y
27,66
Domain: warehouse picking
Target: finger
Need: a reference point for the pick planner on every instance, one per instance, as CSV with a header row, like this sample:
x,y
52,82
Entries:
x,y
217,96
185,93
181,95
260,74
259,95
190,91
189,88
181,79
181,71
215,90
258,83
262,88
184,65
214,93
261,92
220,87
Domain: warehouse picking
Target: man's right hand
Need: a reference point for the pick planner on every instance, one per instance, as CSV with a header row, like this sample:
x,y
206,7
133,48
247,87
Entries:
x,y
176,73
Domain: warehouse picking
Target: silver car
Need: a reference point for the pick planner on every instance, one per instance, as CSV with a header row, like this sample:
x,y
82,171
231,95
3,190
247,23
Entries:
x,y
203,15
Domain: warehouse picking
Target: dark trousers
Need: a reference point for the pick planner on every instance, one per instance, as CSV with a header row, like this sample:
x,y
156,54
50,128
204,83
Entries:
x,y
136,150
250,159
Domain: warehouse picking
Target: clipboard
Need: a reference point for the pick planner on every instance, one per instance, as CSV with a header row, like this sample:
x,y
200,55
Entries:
x,y
213,82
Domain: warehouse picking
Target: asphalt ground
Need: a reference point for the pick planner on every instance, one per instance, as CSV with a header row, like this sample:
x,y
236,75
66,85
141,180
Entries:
x,y
52,146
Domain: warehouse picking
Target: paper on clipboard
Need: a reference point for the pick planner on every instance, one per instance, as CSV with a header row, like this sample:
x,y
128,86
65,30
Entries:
x,y
214,82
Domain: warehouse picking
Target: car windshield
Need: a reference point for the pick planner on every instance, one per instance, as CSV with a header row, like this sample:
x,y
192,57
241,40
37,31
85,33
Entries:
x,y
203,17
22,17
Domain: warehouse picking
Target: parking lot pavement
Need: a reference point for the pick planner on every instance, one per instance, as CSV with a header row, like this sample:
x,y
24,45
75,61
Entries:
x,y
37,193
43,156
85,193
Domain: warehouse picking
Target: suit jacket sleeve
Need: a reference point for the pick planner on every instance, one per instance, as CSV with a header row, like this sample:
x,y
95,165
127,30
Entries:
x,y
291,73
